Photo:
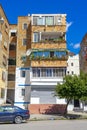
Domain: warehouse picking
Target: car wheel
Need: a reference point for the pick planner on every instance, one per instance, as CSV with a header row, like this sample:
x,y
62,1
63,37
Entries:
x,y
18,119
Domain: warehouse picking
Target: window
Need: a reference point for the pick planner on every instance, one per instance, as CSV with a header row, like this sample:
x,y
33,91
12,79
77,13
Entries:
x,y
24,42
36,37
11,77
4,60
71,64
3,76
5,44
12,47
23,92
2,92
49,20
72,72
12,62
49,73
59,20
41,21
36,72
23,73
25,26
0,36
13,33
52,54
68,72
43,72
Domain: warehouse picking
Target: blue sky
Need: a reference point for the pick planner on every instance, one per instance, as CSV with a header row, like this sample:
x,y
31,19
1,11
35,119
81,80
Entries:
x,y
76,11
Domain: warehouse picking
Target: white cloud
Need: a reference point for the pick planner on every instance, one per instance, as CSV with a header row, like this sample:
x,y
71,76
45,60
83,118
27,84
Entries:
x,y
68,25
76,46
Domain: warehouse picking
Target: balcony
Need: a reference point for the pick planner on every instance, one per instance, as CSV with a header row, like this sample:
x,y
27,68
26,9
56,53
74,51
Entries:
x,y
49,63
48,40
48,44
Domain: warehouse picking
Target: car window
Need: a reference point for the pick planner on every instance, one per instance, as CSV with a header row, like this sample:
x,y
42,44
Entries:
x,y
9,109
1,109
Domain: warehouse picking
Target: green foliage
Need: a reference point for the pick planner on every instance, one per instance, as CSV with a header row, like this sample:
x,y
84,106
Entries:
x,y
72,88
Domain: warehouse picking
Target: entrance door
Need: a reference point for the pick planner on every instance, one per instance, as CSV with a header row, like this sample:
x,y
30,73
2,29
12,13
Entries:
x,y
76,103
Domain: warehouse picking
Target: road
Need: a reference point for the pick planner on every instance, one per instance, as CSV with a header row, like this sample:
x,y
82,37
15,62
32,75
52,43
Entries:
x,y
47,125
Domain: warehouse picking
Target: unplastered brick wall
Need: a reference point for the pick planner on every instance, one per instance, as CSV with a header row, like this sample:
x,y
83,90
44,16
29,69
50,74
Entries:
x,y
47,108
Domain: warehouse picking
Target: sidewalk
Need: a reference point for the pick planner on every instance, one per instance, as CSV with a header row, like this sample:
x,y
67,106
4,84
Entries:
x,y
70,115
45,117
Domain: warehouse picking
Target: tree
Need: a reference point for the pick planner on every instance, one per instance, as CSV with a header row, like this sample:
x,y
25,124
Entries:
x,y
83,76
73,87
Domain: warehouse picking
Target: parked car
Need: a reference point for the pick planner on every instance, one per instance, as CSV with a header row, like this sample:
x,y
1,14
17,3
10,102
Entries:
x,y
13,114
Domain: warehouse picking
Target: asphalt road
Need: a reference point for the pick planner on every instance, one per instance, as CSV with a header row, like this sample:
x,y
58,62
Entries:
x,y
47,125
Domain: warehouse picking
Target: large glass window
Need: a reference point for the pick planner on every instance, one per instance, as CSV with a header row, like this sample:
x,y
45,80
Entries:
x,y
43,72
49,20
49,72
41,21
36,72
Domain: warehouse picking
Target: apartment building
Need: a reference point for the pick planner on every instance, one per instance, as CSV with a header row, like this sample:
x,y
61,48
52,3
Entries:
x,y
41,59
37,58
83,54
4,46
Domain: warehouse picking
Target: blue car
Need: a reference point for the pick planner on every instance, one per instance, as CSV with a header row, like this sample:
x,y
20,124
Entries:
x,y
13,114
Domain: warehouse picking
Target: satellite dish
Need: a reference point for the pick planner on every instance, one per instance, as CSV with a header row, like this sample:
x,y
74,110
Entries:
x,y
28,52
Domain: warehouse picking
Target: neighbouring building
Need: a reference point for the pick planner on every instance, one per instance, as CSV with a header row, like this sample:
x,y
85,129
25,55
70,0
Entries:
x,y
73,68
73,64
12,63
83,54
4,46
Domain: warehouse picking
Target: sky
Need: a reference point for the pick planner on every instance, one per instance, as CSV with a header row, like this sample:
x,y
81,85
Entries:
x,y
76,11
